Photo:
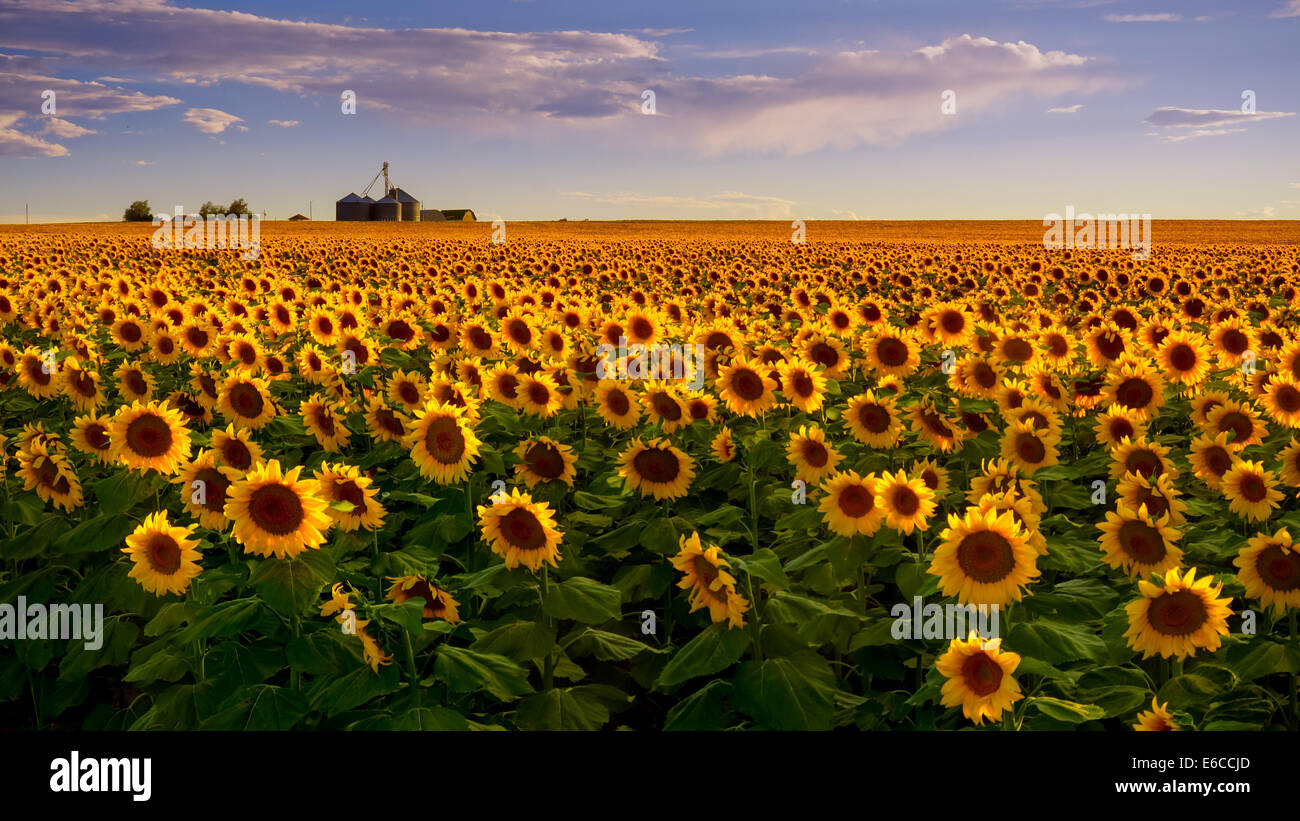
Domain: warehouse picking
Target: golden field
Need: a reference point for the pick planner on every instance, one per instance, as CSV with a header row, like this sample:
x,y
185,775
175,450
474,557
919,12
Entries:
x,y
396,476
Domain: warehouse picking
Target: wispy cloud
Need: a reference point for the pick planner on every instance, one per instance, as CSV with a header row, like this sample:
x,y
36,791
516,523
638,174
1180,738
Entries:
x,y
1165,17
1176,117
1291,8
659,32
1066,109
211,120
283,123
64,129
145,162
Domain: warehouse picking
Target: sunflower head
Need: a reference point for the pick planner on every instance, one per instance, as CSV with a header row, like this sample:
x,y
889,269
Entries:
x,y
1178,618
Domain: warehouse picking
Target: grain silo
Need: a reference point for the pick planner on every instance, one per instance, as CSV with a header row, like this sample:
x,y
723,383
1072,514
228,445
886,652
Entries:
x,y
353,208
410,205
386,210
431,215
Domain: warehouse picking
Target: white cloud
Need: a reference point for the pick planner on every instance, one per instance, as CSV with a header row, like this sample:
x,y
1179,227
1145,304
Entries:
x,y
1295,185
659,32
1195,133
15,143
544,85
1143,18
1265,212
1291,8
145,162
63,129
1066,109
1176,117
284,123
211,120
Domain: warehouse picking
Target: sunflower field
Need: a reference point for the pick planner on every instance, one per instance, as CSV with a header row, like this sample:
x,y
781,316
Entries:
x,y
378,480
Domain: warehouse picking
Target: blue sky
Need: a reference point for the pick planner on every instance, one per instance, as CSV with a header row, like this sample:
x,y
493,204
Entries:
x,y
823,109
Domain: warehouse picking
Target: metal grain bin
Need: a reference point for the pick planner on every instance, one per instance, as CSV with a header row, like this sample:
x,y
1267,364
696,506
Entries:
x,y
386,210
431,215
410,205
353,208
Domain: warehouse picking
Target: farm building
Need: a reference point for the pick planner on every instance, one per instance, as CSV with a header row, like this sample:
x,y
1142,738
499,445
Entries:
x,y
298,218
397,205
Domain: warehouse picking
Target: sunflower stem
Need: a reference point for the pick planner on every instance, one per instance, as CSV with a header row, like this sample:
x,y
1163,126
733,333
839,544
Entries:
x,y
412,671
548,666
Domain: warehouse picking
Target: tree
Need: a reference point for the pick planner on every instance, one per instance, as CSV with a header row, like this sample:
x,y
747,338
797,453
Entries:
x,y
138,211
239,208
209,207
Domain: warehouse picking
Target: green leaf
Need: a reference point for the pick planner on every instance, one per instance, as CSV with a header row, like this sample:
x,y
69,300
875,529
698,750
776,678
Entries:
x,y
335,695
324,652
607,646
519,641
233,665
266,707
99,533
159,666
1115,701
765,454
715,649
1055,642
468,671
570,708
1068,711
32,542
121,492
226,619
763,564
290,586
585,600
1263,658
590,501
1188,690
789,693
420,499
436,717
660,536
118,638
409,615
701,710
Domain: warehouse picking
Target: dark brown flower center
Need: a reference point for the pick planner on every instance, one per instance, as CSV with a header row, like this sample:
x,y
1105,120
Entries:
x,y
986,556
275,509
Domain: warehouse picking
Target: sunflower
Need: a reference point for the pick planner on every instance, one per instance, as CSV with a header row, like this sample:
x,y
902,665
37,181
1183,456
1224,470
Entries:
x,y
934,476
874,422
1137,388
852,505
985,558
979,678
438,603
521,531
1185,358
810,455
723,447
803,386
1281,400
277,513
906,501
150,436
1156,719
976,377
941,432
1213,457
892,353
656,468
1139,542
1178,618
1116,424
246,401
745,387
1022,510
705,575
341,484
36,376
406,390
501,384
80,385
616,405
538,395
134,383
164,558
49,474
1250,490
826,352
89,435
545,460
442,443
205,483
1158,494
664,407
323,420
1029,447
385,424
1239,420
1141,457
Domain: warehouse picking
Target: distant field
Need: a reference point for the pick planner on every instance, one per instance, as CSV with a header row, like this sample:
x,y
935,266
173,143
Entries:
x,y
1250,232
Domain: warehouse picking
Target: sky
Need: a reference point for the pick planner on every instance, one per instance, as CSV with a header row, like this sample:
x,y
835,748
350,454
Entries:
x,y
818,109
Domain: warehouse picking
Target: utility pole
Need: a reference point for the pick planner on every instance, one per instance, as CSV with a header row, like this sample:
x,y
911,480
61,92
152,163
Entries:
x,y
27,214
310,215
